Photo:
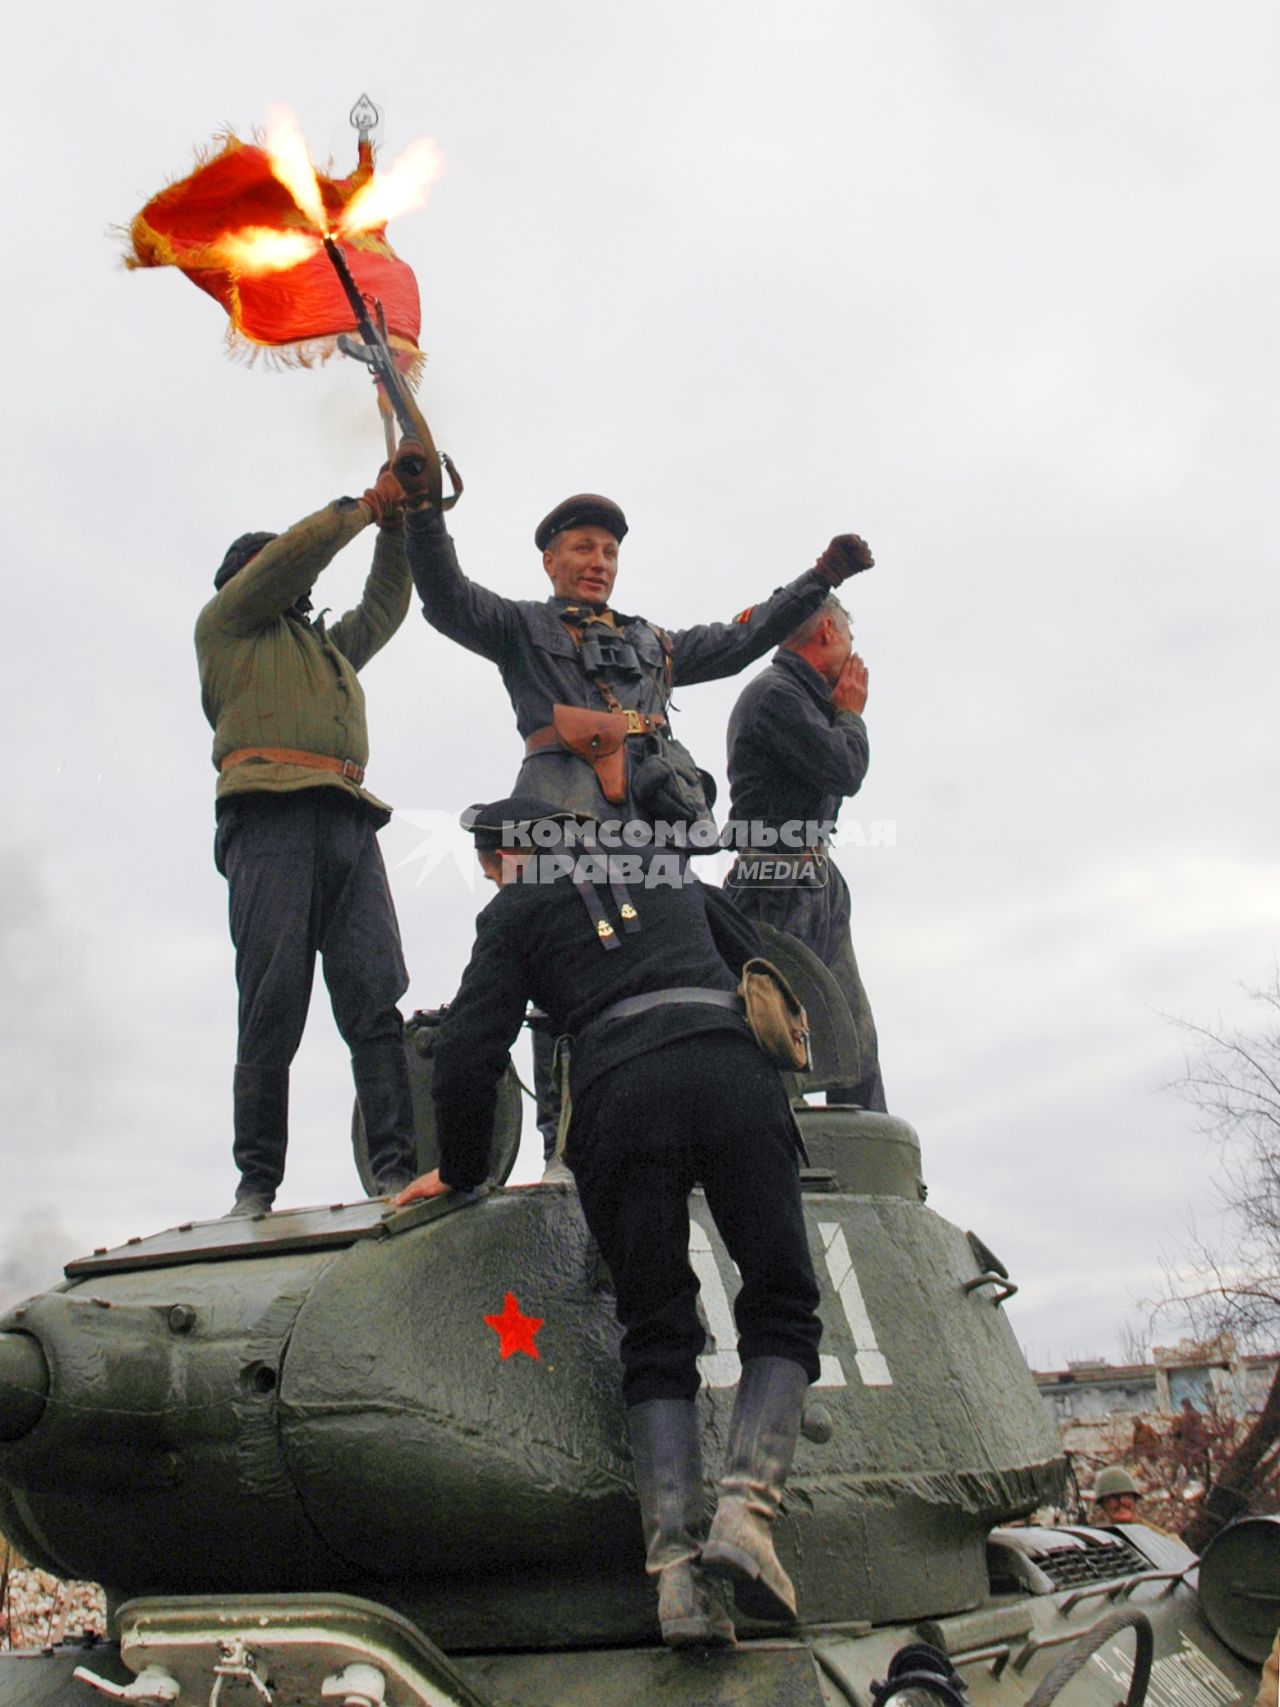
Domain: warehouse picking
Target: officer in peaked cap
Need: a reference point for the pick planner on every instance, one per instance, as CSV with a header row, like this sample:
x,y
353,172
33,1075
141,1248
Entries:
x,y
590,686
668,1089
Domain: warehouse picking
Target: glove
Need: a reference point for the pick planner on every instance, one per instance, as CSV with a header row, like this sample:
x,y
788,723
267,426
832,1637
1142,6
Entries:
x,y
410,469
846,555
385,497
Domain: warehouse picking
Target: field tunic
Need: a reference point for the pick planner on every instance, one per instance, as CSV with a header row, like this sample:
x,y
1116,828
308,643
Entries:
x,y
794,758
541,666
270,678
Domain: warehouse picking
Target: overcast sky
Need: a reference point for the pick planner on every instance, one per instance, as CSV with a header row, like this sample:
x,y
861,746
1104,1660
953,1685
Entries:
x,y
993,283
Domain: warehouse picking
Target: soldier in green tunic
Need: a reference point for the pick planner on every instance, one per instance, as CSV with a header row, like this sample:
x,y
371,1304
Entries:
x,y
296,832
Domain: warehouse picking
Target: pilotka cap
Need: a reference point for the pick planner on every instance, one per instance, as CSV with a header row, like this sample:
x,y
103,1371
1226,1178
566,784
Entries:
x,y
583,510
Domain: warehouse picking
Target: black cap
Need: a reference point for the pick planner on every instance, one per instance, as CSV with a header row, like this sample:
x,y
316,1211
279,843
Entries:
x,y
583,510
509,823
238,554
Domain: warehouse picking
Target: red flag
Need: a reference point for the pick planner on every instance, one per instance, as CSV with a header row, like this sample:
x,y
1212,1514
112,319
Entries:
x,y
236,231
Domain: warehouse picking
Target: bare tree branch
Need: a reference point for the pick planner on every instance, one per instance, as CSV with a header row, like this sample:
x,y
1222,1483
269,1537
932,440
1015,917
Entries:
x,y
1230,1284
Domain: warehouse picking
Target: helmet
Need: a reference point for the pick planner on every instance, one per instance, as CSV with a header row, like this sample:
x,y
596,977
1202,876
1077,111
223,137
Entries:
x,y
1113,1480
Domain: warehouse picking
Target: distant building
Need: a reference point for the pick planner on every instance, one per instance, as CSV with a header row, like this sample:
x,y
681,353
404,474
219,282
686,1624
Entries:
x,y
1088,1397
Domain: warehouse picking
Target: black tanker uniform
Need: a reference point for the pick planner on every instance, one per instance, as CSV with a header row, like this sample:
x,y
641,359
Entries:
x,y
555,652
296,836
793,759
662,1098
668,1090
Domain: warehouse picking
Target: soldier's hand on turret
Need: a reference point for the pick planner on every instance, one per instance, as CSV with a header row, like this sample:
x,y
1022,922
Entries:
x,y
425,1186
848,554
850,692
410,469
385,497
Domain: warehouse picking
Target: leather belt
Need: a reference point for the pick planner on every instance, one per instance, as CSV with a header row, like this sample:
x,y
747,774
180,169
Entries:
x,y
635,723
681,995
347,768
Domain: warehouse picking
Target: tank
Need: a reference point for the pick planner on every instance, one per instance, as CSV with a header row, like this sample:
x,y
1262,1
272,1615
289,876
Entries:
x,y
374,1455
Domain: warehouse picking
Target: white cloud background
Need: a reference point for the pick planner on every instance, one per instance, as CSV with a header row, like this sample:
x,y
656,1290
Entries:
x,y
992,284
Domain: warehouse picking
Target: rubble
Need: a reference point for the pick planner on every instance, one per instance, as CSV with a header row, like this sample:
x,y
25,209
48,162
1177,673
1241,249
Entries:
x,y
38,1610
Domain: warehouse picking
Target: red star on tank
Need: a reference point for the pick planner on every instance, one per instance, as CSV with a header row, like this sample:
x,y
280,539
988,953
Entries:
x,y
515,1331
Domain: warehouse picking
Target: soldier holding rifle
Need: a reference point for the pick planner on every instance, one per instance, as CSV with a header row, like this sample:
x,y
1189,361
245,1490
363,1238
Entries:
x,y
296,836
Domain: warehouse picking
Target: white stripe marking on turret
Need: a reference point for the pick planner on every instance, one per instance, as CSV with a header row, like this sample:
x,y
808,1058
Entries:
x,y
867,1355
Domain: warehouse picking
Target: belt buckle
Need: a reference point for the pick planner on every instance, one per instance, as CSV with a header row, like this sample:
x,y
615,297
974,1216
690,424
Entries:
x,y
635,723
352,771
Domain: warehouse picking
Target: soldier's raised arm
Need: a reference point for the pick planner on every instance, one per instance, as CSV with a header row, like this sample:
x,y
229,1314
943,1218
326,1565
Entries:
x,y
476,618
384,604
281,568
708,651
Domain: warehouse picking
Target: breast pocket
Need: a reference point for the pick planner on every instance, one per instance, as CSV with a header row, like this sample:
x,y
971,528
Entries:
x,y
648,647
552,639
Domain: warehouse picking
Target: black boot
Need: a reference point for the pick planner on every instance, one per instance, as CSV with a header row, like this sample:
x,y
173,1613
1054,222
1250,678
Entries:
x,y
386,1106
261,1135
762,1439
667,1453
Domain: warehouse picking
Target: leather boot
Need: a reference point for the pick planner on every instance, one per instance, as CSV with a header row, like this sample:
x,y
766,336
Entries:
x,y
386,1106
667,1452
261,1135
762,1439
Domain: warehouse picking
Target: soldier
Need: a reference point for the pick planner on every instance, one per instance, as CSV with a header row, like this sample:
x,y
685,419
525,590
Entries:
x,y
1190,1439
296,828
1115,1496
668,1089
590,687
797,748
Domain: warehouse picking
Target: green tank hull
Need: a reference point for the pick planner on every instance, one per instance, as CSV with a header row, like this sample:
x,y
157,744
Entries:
x,y
316,1402
292,1446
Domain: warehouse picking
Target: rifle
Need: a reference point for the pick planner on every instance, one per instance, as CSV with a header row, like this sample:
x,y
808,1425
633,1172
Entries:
x,y
375,353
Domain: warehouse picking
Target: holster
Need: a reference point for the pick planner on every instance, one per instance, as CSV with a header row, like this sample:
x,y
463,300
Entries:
x,y
599,737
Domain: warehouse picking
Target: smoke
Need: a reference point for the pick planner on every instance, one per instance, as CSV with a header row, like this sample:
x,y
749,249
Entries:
x,y
50,1032
35,1252
51,1042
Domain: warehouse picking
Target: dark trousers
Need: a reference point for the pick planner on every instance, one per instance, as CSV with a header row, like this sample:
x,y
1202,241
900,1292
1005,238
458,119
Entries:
x,y
546,1089
820,917
710,1111
306,877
